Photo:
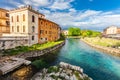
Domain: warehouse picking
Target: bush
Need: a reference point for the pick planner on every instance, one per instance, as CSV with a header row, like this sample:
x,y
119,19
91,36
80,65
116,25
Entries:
x,y
53,69
39,64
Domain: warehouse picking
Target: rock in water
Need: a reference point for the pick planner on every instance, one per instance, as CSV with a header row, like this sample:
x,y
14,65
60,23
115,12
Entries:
x,y
63,71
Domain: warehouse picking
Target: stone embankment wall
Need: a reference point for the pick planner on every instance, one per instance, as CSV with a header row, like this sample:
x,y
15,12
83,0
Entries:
x,y
109,50
8,43
39,52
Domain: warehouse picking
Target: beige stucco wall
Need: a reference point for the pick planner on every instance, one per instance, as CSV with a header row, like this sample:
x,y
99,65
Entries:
x,y
27,23
111,30
20,23
35,24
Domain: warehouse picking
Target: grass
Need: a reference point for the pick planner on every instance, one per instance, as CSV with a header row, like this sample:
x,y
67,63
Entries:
x,y
21,49
107,42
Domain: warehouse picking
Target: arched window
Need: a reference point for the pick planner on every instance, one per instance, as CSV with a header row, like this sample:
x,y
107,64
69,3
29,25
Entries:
x,y
23,28
17,18
33,29
17,28
23,17
12,18
33,18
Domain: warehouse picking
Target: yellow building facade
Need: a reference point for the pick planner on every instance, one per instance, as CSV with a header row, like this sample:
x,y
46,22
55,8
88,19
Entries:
x,y
4,21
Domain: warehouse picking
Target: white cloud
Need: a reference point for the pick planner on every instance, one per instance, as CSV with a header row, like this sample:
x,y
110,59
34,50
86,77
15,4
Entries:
x,y
72,10
61,4
50,4
89,19
37,3
69,16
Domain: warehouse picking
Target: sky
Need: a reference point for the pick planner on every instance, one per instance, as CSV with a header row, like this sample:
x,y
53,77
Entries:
x,y
85,14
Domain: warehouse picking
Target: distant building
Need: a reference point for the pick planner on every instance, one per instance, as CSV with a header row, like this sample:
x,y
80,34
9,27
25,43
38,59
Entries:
x,y
48,31
112,31
65,32
4,21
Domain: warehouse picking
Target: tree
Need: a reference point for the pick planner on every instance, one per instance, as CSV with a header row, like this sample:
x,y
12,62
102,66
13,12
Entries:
x,y
74,31
90,33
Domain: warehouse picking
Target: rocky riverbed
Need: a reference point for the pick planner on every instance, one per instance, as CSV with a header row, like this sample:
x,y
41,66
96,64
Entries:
x,y
63,71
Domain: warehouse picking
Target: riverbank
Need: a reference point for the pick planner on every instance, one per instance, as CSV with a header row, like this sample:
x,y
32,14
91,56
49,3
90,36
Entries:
x,y
38,53
24,49
39,62
63,71
103,47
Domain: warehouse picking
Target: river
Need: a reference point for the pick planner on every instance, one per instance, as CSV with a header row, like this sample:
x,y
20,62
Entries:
x,y
98,65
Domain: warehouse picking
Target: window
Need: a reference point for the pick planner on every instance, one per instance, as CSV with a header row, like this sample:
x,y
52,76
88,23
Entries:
x,y
41,22
23,17
41,31
12,18
17,28
7,15
33,18
33,29
32,37
41,38
23,28
7,23
46,32
17,18
12,28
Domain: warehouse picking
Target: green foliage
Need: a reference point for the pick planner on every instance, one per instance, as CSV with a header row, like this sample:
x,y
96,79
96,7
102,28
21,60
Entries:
x,y
77,75
90,33
39,64
62,37
54,77
53,69
83,33
74,31
21,49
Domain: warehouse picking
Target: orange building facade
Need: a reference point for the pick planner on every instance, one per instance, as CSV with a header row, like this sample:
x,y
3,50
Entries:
x,y
4,21
47,31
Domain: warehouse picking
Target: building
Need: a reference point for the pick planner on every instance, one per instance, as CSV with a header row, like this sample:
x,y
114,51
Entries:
x,y
27,27
48,31
112,31
24,22
65,32
4,21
